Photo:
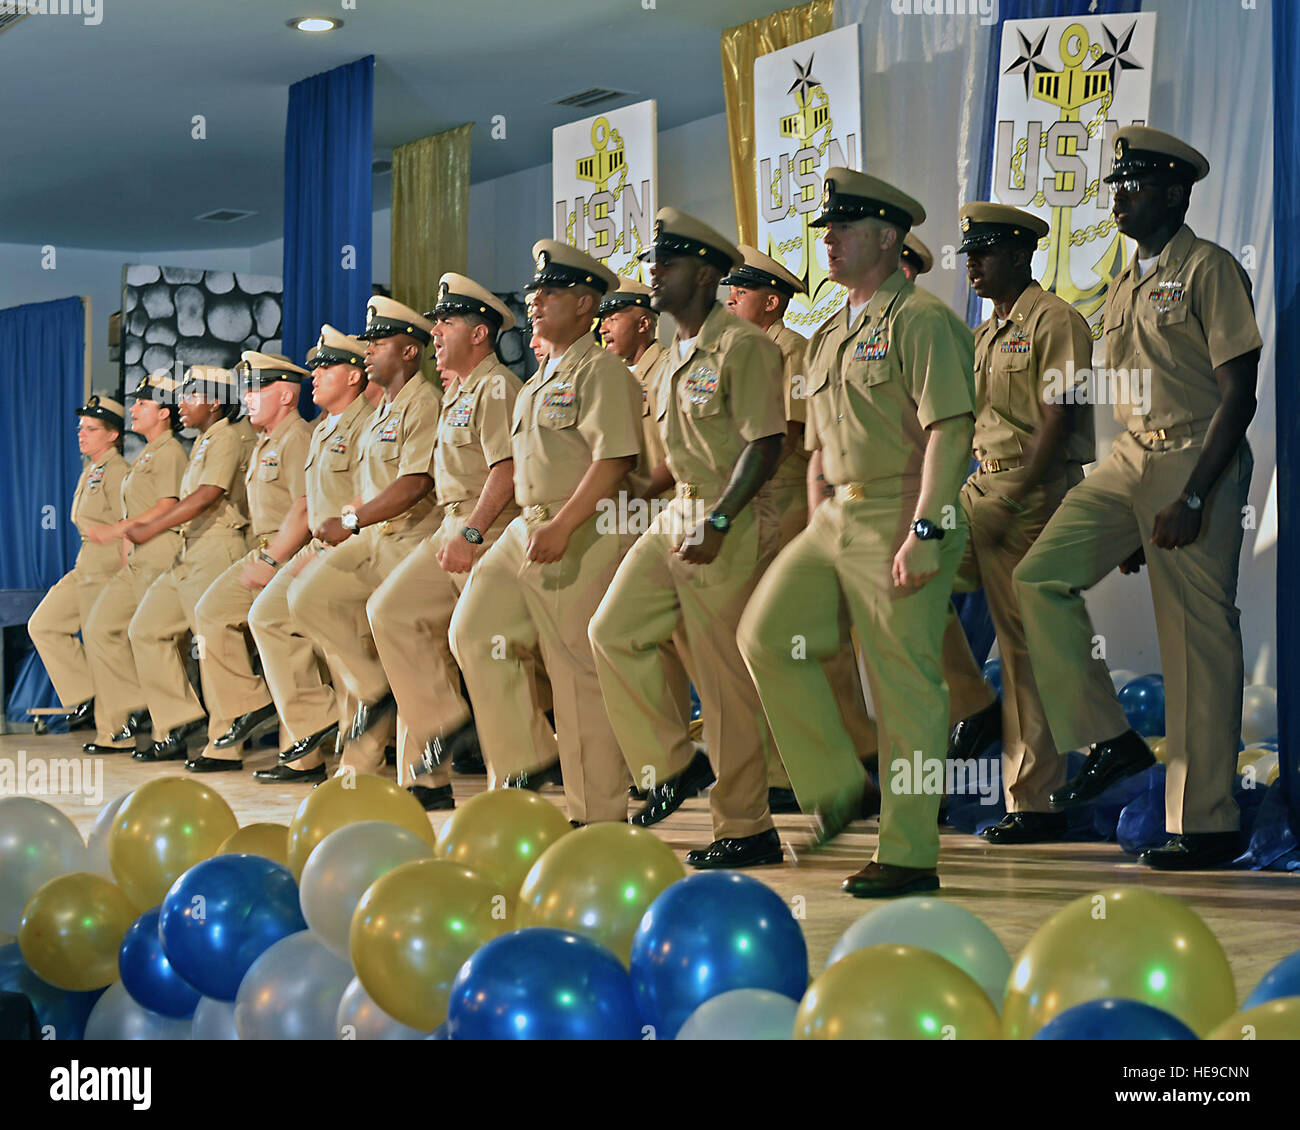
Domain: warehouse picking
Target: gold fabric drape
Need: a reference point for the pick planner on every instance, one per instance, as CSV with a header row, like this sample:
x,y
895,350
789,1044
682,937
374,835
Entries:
x,y
740,47
430,216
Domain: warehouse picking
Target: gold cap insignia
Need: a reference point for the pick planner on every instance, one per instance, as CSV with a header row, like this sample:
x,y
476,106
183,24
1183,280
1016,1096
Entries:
x,y
965,223
542,259
1119,147
827,189
93,402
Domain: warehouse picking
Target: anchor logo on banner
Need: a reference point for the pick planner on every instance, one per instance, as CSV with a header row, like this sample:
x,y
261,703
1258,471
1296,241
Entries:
x,y
598,168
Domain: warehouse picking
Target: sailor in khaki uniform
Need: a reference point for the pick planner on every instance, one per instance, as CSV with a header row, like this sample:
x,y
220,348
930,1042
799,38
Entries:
x,y
761,289
576,440
152,485
1182,348
1031,444
410,613
393,512
890,421
97,502
311,710
239,704
915,258
212,515
718,401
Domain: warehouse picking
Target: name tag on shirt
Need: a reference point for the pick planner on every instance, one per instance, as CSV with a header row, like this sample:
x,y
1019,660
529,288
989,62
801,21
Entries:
x,y
874,348
701,384
1167,295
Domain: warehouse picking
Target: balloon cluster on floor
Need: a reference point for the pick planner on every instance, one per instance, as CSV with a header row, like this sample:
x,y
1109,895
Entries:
x,y
357,922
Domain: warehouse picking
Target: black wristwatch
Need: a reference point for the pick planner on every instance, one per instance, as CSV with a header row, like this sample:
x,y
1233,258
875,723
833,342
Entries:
x,y
719,522
471,535
925,530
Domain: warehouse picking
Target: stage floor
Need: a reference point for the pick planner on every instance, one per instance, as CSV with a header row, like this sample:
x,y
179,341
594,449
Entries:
x,y
1255,915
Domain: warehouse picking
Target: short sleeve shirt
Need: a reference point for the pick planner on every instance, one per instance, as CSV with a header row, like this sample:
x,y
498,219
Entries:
x,y
277,473
644,367
333,470
218,458
154,474
794,389
400,441
474,430
97,501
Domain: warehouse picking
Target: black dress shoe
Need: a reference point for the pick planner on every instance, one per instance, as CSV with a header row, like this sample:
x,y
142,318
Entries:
x,y
577,824
433,800
370,714
885,880
460,748
176,746
83,717
138,722
1108,762
666,798
534,779
782,802
303,746
246,726
1193,851
971,736
637,794
278,774
759,850
468,757
1027,828
91,747
204,764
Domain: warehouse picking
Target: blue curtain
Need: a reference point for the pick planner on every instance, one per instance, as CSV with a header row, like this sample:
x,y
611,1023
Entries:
x,y
327,206
42,375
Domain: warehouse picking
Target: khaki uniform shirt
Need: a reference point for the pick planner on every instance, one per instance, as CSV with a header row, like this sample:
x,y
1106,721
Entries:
x,y
1190,313
1042,351
97,501
724,395
474,431
155,474
219,458
277,473
794,388
333,469
588,409
650,438
874,387
400,441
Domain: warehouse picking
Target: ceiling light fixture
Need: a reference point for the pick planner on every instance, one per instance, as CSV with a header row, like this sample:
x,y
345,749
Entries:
x,y
314,23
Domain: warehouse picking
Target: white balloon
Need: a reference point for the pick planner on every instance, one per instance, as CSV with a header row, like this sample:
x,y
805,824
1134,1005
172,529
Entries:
x,y
97,838
340,869
292,992
359,1018
215,1020
1258,713
117,1017
742,1014
37,843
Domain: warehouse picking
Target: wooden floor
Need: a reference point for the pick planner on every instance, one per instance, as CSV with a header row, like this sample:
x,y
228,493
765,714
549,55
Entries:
x,y
1255,915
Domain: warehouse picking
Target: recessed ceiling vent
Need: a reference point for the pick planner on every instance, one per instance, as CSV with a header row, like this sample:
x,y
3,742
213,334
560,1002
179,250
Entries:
x,y
381,167
592,96
225,216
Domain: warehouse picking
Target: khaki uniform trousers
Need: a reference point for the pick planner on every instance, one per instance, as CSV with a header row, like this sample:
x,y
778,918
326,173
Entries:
x,y
327,603
1101,522
652,592
793,621
163,618
54,625
513,608
118,693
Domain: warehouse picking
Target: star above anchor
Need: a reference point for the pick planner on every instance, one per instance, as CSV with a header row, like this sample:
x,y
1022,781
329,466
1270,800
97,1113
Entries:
x,y
1116,57
1029,64
805,80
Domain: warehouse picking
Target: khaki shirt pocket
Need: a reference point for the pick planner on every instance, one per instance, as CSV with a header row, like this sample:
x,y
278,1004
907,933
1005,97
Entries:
x,y
457,437
268,472
867,374
1009,388
557,416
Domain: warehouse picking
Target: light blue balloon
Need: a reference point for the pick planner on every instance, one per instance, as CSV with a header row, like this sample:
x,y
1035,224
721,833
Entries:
x,y
359,1018
292,992
215,1020
742,1014
117,1017
1283,980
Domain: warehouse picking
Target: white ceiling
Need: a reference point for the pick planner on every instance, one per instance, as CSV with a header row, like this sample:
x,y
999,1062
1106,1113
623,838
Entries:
x,y
96,142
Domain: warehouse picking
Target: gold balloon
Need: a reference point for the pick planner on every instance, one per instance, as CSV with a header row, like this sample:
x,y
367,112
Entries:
x,y
350,799
1251,755
271,841
1273,1020
500,834
412,931
72,929
1157,746
1132,943
163,829
895,993
598,882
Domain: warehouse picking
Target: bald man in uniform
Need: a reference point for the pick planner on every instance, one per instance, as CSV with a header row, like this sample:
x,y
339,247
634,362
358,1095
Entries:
x,y
239,704
576,442
55,623
890,421
1180,325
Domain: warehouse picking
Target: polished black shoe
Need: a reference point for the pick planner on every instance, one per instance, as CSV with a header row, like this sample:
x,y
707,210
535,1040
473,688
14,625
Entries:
x,y
467,759
433,800
460,748
278,774
1027,828
885,880
760,850
577,824
176,746
138,722
1193,851
303,746
247,726
83,717
971,736
1108,762
205,764
782,802
637,794
534,779
666,798
91,747
369,715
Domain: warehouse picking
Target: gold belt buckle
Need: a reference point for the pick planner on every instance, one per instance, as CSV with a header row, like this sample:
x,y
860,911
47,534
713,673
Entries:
x,y
453,509
850,492
687,490
536,513
991,466
1158,434
382,527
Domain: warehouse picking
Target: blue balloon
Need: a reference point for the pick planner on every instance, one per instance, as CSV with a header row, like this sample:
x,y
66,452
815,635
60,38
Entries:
x,y
542,984
222,915
1114,1019
993,674
1143,701
1283,980
148,976
695,703
63,1013
709,934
